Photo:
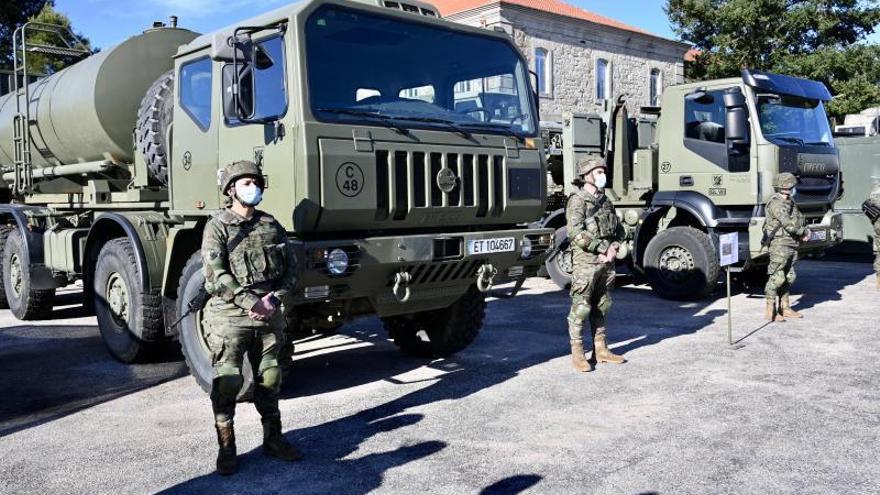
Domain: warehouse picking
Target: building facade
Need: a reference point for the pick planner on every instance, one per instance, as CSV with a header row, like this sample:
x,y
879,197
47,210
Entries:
x,y
582,61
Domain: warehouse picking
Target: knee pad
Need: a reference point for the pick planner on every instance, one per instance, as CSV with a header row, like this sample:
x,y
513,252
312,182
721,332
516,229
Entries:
x,y
271,379
228,386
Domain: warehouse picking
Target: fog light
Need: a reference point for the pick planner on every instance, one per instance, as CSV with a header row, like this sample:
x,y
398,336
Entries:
x,y
525,248
337,262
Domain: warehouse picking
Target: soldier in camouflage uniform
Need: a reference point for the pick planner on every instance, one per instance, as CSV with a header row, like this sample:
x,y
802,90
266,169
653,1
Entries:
x,y
596,233
785,230
874,199
249,266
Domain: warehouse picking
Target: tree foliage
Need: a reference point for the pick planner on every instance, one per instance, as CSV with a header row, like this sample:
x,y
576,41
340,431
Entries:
x,y
14,13
816,39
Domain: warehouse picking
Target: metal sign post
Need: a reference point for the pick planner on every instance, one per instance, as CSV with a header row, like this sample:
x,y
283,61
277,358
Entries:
x,y
728,251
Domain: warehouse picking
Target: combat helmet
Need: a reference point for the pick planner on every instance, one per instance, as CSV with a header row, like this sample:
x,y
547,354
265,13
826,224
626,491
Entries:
x,y
237,170
785,180
587,165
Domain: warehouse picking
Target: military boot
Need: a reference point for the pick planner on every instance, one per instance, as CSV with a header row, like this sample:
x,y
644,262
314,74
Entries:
x,y
770,313
785,308
227,462
274,443
578,359
601,351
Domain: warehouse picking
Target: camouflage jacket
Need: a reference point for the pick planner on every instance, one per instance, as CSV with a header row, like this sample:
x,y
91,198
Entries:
x,y
786,220
591,234
874,199
246,258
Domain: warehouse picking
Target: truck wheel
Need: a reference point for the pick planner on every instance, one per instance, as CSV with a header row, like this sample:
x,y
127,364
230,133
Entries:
x,y
4,233
24,302
439,333
129,315
155,114
191,332
681,264
559,266
754,278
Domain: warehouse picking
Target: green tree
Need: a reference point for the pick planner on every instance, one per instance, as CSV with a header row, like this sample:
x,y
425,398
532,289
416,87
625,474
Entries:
x,y
816,39
39,63
13,13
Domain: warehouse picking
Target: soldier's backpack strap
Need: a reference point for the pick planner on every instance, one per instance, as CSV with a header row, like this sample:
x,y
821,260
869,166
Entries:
x,y
243,233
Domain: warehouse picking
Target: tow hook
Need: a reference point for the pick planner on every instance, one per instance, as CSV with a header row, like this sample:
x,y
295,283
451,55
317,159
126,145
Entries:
x,y
485,277
401,286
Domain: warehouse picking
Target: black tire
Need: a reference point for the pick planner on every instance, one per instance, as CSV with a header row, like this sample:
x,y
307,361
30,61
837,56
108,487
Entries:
x,y
559,265
25,302
191,332
681,264
129,316
155,115
439,333
4,233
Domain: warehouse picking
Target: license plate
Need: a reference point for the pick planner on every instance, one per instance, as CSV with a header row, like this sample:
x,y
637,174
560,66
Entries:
x,y
486,246
819,235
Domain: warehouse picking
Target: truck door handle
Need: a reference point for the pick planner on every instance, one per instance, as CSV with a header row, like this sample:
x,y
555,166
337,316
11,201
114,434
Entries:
x,y
686,181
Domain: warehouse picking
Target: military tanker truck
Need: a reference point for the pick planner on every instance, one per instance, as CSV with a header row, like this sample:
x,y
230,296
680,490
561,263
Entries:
x,y
698,166
397,205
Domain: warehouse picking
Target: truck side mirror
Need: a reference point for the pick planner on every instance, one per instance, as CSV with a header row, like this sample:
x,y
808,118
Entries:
x,y
736,121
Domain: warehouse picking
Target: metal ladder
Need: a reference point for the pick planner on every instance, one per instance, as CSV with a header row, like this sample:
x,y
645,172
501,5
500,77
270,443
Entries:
x,y
67,47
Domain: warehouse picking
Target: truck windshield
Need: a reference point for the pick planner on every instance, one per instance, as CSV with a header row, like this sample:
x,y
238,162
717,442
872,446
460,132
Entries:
x,y
372,69
789,120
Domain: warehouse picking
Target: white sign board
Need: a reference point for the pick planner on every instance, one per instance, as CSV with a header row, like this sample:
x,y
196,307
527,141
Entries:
x,y
728,248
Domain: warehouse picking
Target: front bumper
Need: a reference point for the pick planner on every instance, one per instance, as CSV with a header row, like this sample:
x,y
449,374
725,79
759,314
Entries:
x,y
826,233
439,267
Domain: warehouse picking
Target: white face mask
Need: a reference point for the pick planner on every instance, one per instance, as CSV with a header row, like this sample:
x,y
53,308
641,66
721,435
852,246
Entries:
x,y
249,195
600,181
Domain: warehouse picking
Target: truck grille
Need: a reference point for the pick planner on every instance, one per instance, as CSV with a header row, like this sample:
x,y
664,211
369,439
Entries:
x,y
409,179
442,272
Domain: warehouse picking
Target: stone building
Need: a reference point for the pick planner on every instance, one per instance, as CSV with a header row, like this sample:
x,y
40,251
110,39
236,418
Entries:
x,y
582,60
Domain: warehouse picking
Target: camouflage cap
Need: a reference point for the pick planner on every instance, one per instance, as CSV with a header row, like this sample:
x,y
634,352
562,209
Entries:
x,y
589,164
784,180
237,170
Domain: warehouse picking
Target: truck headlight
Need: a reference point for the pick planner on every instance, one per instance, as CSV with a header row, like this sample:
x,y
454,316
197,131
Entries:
x,y
337,261
525,248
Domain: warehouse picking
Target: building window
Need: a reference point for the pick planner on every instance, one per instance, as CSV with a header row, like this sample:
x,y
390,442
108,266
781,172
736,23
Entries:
x,y
543,70
656,87
603,79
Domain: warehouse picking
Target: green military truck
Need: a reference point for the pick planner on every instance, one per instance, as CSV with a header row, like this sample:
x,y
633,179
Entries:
x,y
397,204
698,166
860,166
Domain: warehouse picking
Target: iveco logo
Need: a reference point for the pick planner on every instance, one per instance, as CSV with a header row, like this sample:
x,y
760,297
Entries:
x,y
446,180
813,168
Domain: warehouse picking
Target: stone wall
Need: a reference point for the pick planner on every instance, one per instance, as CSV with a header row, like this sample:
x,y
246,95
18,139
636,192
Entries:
x,y
574,46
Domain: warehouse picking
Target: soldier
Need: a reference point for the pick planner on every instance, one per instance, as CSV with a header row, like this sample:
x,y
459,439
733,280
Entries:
x,y
784,230
596,234
249,267
874,201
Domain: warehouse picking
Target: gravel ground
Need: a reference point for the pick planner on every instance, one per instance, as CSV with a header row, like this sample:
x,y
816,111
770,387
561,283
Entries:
x,y
791,408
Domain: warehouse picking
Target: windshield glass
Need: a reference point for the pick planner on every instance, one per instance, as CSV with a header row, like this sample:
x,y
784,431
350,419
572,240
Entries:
x,y
790,120
373,69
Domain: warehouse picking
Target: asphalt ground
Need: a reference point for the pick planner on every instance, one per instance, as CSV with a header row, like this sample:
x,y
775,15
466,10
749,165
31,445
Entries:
x,y
791,408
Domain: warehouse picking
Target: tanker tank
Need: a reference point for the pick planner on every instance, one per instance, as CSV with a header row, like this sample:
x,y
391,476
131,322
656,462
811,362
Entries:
x,y
86,112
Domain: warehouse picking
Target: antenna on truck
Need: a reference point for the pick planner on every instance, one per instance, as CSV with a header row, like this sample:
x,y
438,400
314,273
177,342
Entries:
x,y
67,47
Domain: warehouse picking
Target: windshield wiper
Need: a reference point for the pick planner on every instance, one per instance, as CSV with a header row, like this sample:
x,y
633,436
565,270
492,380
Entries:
x,y
790,139
500,127
432,120
385,119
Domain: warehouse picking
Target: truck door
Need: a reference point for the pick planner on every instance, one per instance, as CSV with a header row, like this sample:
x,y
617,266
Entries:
x,y
193,178
266,141
703,159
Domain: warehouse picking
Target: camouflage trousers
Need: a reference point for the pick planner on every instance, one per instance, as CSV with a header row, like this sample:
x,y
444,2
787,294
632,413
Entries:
x,y
231,339
590,297
781,271
877,247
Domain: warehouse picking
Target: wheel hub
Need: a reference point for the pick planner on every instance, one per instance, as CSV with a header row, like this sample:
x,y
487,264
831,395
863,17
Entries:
x,y
16,277
117,299
676,263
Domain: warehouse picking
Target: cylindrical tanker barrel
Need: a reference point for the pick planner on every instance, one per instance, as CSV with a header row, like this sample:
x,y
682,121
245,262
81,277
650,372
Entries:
x,y
87,111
